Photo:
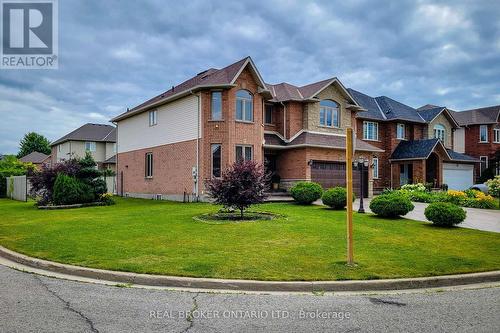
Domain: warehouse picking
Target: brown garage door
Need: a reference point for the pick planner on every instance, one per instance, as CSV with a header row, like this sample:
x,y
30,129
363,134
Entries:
x,y
332,174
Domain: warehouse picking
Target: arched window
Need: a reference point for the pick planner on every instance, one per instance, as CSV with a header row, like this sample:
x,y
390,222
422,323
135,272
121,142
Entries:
x,y
244,105
329,114
440,132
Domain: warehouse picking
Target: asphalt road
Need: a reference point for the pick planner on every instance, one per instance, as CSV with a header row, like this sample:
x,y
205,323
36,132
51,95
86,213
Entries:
x,y
33,303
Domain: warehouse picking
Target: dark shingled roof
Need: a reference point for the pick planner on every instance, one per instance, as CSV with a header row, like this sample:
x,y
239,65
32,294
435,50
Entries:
x,y
90,132
414,149
210,77
427,106
368,103
385,108
316,139
430,113
460,157
487,115
34,157
395,110
111,160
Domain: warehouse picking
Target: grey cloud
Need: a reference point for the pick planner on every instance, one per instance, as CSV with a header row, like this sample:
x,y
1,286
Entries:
x,y
116,54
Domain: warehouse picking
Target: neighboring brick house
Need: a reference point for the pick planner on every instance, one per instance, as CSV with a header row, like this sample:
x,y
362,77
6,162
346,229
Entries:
x,y
38,159
169,145
98,139
417,144
479,136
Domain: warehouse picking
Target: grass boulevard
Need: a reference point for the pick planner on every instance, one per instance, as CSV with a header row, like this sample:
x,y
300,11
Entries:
x,y
302,243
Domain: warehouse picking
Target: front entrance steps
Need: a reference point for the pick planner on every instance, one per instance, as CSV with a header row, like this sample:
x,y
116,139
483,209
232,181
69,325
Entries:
x,y
278,196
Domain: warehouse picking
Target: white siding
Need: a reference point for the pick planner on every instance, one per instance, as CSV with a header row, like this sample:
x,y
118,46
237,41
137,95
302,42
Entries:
x,y
177,122
77,149
459,140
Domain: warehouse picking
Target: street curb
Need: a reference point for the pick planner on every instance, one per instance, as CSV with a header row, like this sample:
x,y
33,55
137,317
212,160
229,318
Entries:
x,y
251,285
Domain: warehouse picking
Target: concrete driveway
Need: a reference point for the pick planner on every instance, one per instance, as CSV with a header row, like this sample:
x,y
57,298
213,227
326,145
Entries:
x,y
480,219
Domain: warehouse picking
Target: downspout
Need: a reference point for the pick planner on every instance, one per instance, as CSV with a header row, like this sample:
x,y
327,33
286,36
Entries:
x,y
197,179
284,120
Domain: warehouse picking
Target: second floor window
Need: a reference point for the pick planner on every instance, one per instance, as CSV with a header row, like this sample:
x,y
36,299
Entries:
x,y
329,113
244,105
90,146
216,106
496,135
268,117
149,165
400,131
440,132
483,133
370,130
244,153
153,118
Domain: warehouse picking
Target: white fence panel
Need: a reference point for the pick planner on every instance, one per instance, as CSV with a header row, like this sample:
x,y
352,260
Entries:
x,y
17,188
111,184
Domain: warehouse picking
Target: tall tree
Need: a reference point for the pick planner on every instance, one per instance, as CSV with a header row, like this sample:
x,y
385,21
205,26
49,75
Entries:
x,y
33,142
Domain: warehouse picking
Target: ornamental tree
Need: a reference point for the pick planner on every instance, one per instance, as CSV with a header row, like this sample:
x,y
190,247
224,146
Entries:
x,y
241,185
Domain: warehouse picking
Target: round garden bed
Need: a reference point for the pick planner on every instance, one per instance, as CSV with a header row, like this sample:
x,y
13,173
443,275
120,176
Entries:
x,y
235,217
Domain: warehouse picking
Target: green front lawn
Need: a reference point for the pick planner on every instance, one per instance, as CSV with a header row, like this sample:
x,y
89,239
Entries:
x,y
307,244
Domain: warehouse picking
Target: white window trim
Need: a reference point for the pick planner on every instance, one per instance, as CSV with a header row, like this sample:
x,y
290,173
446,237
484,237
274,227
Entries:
x,y
439,130
365,133
153,118
496,135
375,169
481,127
327,110
92,144
246,101
403,126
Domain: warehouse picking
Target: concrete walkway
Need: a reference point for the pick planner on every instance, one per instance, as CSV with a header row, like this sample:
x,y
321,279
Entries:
x,y
480,219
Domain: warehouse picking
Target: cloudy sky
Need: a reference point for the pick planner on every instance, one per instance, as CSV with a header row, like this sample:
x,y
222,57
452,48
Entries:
x,y
114,54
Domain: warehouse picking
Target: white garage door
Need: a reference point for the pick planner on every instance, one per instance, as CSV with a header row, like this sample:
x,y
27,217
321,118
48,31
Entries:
x,y
458,176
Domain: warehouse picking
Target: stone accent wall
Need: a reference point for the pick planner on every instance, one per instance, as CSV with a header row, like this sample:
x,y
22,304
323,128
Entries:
x,y
311,112
441,119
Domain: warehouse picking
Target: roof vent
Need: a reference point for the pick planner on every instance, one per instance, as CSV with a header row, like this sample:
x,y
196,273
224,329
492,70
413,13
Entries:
x,y
173,88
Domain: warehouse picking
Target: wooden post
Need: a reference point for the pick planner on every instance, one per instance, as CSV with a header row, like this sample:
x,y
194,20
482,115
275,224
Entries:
x,y
348,165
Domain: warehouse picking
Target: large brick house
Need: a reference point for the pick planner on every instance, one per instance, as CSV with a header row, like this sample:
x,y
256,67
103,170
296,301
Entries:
x,y
479,136
169,145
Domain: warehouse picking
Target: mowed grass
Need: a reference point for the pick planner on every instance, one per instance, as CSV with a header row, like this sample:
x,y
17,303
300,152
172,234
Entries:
x,y
307,243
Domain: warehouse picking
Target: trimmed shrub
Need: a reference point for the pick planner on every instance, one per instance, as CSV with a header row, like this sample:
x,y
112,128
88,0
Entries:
x,y
306,193
391,205
336,197
444,214
67,190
